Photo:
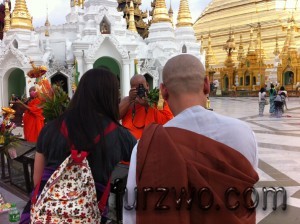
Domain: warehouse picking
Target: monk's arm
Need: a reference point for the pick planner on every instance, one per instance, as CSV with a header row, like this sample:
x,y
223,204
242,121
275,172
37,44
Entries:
x,y
39,164
126,102
123,106
22,104
162,116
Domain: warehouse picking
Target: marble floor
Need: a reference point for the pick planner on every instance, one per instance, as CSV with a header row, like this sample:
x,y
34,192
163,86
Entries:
x,y
279,155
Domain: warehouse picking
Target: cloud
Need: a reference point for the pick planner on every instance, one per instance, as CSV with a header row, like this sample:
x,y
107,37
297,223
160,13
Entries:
x,y
58,9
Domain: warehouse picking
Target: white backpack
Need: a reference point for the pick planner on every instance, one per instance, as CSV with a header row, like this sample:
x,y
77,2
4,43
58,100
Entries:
x,y
69,195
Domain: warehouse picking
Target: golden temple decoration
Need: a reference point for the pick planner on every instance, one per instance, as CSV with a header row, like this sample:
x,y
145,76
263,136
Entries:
x,y
79,3
7,18
21,17
241,54
259,50
160,13
210,57
139,16
276,50
171,14
251,49
131,25
47,25
184,17
37,71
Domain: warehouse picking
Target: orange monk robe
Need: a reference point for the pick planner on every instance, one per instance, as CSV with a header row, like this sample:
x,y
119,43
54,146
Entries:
x,y
33,120
143,118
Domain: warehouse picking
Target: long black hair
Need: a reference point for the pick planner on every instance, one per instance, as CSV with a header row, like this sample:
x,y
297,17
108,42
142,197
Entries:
x,y
95,99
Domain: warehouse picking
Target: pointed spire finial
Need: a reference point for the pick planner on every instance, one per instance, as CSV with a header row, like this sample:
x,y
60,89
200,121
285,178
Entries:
x,y
184,18
131,25
21,17
160,12
7,18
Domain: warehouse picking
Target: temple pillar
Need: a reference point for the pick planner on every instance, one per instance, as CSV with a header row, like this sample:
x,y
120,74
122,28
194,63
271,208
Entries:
x,y
125,78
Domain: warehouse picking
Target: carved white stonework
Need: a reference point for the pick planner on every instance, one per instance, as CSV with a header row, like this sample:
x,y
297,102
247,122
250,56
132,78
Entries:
x,y
80,38
91,54
59,67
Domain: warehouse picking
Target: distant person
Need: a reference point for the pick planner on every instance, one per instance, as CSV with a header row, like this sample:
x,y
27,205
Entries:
x,y
135,112
234,88
278,105
285,94
262,101
272,95
197,149
91,122
33,119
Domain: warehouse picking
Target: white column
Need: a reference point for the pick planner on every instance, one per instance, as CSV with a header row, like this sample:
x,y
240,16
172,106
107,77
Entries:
x,y
125,78
78,54
89,65
132,65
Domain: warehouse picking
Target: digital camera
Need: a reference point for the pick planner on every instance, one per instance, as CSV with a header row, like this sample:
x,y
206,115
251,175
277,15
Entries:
x,y
141,91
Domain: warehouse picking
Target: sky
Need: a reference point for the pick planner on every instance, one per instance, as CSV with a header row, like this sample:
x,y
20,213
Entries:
x,y
58,9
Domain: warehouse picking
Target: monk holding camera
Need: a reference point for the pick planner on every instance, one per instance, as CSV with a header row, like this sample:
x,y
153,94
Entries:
x,y
135,111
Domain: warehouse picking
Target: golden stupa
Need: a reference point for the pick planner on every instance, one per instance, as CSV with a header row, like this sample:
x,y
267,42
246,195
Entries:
x,y
20,17
160,13
221,16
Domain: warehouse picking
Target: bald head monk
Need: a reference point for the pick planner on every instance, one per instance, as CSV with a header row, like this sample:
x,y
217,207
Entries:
x,y
135,111
33,118
184,83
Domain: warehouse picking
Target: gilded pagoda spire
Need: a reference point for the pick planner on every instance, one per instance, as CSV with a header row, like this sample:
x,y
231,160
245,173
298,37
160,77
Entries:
x,y
160,12
171,13
276,50
210,57
184,17
131,25
251,44
21,17
7,18
241,55
47,25
259,48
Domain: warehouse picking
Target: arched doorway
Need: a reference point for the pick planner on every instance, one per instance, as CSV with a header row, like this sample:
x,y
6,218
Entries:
x,y
226,82
109,64
62,80
17,84
288,78
149,79
247,78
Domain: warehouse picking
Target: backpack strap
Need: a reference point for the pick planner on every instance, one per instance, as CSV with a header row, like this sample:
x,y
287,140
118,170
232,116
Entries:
x,y
78,157
103,200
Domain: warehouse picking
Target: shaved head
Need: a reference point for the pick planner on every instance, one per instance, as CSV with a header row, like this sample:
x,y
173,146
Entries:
x,y
184,74
138,79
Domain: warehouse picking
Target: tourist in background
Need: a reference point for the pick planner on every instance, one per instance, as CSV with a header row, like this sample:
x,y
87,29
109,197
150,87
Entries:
x,y
282,90
272,95
262,101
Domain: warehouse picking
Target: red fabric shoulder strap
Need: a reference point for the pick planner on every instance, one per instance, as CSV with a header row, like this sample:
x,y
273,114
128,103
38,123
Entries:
x,y
79,156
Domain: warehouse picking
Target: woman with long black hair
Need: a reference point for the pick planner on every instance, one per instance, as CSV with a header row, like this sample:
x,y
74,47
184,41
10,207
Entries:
x,y
93,108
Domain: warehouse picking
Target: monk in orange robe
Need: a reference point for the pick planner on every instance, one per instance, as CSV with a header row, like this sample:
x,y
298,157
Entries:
x,y
135,112
33,117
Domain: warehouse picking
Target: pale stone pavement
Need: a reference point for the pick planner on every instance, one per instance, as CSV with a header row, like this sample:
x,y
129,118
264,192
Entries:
x,y
279,154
